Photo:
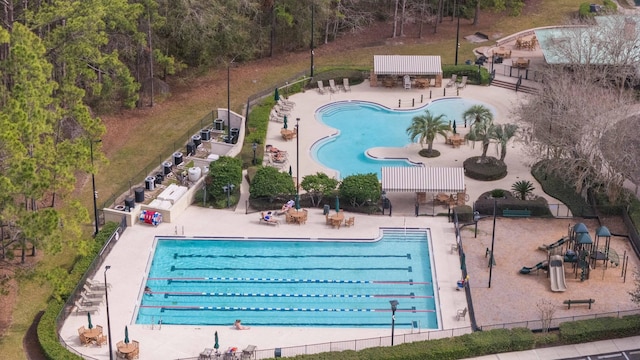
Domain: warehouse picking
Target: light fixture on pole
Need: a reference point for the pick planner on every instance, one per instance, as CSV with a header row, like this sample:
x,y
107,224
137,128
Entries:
x,y
493,240
106,299
95,193
298,157
394,307
227,189
254,146
476,217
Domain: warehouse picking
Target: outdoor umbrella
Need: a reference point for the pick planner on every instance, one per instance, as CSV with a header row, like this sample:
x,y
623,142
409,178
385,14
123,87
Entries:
x,y
463,262
284,121
90,326
337,204
297,202
290,171
454,128
216,345
126,334
276,96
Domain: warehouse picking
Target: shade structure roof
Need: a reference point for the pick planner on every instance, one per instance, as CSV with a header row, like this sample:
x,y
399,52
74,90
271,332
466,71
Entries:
x,y
423,179
407,65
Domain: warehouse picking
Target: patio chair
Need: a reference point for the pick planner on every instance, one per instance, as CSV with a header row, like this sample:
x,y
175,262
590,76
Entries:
x,y
85,301
462,313
80,309
284,105
463,83
101,340
274,116
453,80
81,330
345,84
350,221
96,285
321,89
268,219
287,102
332,86
282,111
92,293
84,341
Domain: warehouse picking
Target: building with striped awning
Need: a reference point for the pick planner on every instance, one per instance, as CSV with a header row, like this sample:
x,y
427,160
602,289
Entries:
x,y
388,70
423,179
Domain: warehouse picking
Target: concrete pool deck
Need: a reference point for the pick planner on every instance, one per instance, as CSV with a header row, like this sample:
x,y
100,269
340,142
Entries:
x,y
130,257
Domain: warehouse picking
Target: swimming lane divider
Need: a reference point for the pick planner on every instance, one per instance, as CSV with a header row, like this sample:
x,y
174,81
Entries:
x,y
408,269
285,280
176,256
242,308
193,293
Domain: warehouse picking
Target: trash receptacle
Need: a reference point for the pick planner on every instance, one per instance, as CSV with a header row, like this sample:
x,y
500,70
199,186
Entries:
x,y
326,210
277,353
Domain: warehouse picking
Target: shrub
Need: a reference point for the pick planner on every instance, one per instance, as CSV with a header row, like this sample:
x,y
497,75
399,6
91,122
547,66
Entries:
x,y
270,182
224,171
521,189
360,189
497,193
485,203
584,11
610,6
487,170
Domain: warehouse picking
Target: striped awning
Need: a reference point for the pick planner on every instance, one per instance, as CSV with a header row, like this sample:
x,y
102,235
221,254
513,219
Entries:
x,y
423,179
407,65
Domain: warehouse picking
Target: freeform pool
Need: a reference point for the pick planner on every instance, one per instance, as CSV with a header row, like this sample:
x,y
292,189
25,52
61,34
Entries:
x,y
364,125
293,282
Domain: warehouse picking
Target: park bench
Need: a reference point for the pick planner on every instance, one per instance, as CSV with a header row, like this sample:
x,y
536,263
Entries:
x,y
586,301
516,213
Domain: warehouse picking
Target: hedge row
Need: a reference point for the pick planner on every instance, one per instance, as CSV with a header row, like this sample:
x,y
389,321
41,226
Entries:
x,y
47,331
599,329
475,344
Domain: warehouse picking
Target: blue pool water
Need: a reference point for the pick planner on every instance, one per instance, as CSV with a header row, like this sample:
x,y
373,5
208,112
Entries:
x,y
292,282
365,125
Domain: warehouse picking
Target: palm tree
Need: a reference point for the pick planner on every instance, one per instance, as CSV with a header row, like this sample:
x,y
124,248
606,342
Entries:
x,y
521,189
481,129
426,127
504,133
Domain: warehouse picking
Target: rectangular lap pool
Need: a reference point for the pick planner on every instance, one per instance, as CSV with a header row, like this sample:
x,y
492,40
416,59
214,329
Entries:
x,y
292,282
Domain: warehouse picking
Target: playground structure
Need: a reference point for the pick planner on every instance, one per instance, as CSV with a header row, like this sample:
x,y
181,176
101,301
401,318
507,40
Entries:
x,y
578,249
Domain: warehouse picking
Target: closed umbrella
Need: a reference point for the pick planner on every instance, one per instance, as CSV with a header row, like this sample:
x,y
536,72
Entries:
x,y
337,204
90,326
463,262
454,128
284,121
297,202
276,96
290,171
126,334
216,345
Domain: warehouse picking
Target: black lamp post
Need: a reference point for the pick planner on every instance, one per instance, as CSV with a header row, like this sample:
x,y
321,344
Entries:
x,y
476,217
457,31
394,307
95,193
229,98
106,299
312,15
298,157
493,240
254,146
227,189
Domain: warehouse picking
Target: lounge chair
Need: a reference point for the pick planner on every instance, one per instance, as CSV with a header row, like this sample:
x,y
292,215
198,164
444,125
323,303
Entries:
x,y
269,219
332,86
463,83
321,89
284,106
86,309
274,116
282,111
345,84
247,353
453,80
85,301
96,285
92,293
462,313
286,102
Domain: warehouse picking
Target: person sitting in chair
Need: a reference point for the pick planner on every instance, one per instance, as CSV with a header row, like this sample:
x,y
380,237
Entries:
x,y
238,325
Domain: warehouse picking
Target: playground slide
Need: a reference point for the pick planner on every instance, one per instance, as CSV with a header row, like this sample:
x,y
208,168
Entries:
x,y
527,270
556,274
554,245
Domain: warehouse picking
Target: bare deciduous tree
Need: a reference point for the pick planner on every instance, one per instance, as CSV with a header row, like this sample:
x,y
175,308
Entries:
x,y
547,310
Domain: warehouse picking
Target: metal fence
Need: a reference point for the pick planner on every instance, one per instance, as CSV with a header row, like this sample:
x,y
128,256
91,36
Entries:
x,y
67,309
